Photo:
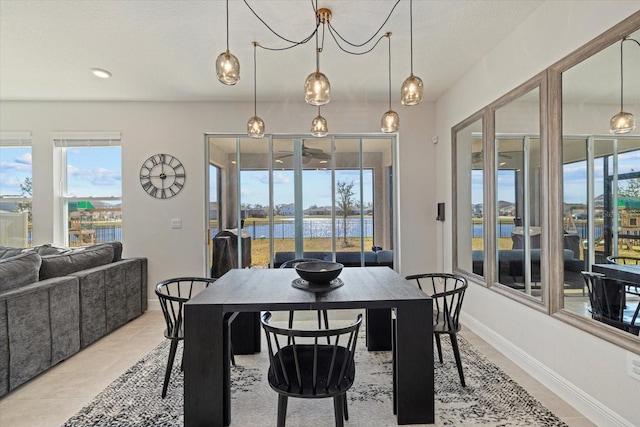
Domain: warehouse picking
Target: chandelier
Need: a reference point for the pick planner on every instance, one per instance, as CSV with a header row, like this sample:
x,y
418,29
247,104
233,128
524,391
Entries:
x,y
623,122
317,89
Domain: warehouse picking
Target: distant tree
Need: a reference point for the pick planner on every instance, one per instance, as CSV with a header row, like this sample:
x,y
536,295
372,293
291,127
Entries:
x,y
632,189
27,191
345,201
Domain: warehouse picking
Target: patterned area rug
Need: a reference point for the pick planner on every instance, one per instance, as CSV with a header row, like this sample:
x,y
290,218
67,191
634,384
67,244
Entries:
x,y
491,398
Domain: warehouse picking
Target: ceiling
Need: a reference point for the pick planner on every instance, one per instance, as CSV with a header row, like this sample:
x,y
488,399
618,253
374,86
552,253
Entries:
x,y
165,50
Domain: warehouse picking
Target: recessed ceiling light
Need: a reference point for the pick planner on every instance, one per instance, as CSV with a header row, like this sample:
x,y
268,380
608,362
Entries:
x,y
99,72
279,161
323,161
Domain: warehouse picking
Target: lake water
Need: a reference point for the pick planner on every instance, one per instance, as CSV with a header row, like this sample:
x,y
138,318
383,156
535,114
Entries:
x,y
311,228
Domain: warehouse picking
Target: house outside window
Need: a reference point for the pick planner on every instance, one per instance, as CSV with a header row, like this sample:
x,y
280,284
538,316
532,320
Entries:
x,y
15,189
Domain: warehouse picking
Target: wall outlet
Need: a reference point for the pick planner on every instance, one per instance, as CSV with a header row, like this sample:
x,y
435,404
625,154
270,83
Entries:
x,y
633,365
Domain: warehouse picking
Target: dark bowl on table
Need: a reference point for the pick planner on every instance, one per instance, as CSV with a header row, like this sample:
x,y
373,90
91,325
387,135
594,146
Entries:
x,y
319,272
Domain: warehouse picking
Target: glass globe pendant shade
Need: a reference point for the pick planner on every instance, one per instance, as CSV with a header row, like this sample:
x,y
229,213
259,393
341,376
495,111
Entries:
x,y
412,89
622,123
319,126
255,127
228,68
317,89
390,122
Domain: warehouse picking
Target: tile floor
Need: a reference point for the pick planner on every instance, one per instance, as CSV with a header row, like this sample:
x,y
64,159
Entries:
x,y
54,396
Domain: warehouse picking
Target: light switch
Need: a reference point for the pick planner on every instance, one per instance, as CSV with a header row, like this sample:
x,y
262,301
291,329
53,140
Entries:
x,y
176,222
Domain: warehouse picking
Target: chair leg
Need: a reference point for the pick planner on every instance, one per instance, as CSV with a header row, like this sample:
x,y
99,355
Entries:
x,y
282,409
439,346
326,319
338,410
233,358
167,375
345,407
456,353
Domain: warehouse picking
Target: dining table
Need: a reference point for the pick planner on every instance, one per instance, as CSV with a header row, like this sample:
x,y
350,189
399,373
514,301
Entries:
x,y
207,384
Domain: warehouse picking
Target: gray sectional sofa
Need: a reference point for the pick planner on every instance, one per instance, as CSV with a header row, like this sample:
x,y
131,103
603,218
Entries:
x,y
55,301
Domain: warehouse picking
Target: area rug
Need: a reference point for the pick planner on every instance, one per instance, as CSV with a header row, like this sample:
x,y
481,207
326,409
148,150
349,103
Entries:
x,y
490,398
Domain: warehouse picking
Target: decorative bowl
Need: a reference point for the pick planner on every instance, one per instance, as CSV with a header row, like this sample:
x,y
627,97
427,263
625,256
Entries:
x,y
319,272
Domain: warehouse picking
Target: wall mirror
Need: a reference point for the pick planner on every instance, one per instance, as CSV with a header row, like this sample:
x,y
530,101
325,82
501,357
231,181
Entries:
x,y
517,191
468,183
600,174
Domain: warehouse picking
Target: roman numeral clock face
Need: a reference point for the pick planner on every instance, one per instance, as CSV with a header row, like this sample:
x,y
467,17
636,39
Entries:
x,y
162,176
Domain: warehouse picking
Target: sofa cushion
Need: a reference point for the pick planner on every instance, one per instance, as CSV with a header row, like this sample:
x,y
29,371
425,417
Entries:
x,y
19,270
9,252
49,249
75,260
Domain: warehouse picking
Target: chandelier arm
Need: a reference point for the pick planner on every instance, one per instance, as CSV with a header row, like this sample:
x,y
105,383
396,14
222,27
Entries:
x,y
374,34
350,52
294,43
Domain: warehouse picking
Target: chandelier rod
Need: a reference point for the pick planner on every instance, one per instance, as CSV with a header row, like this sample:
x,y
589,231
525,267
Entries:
x,y
411,31
388,35
627,38
227,25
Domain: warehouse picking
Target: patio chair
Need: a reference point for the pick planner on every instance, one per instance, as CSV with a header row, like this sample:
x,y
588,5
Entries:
x,y
172,294
308,369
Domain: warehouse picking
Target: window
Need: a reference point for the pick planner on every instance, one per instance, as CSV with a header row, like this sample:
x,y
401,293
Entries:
x,y
15,189
91,188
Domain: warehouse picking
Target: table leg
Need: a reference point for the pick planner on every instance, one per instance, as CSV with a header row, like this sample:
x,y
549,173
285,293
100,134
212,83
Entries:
x,y
414,362
378,325
206,365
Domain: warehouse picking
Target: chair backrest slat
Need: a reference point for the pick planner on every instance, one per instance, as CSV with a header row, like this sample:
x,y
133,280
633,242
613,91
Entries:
x,y
172,294
312,363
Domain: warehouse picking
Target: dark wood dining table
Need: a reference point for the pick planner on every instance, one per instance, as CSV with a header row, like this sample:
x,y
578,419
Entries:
x,y
207,385
630,273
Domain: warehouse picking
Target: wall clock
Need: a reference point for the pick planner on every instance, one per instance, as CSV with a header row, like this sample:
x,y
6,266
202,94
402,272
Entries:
x,y
162,176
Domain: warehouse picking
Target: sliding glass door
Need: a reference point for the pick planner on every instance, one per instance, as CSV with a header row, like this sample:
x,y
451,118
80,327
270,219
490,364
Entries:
x,y
289,196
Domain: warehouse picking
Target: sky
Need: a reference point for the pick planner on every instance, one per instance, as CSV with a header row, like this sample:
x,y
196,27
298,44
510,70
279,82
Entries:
x,y
91,171
316,186
574,179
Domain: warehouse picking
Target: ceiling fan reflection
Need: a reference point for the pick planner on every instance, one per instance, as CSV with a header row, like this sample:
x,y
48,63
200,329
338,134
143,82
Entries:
x,y
308,154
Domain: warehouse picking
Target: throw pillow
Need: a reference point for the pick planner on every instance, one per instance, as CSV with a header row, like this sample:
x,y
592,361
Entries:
x,y
75,260
49,249
9,252
19,270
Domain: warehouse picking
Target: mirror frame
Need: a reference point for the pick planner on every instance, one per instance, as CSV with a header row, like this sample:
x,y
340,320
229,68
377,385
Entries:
x,y
555,211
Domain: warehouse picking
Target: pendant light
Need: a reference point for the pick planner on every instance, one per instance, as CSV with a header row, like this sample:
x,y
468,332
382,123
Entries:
x,y
412,88
227,65
255,125
390,120
317,89
319,126
623,122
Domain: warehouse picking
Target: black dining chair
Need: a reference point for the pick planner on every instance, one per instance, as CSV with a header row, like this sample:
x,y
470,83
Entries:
x,y
322,314
624,260
173,294
447,291
308,367
607,297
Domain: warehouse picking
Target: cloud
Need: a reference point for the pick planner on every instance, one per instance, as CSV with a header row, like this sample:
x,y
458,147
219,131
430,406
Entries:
x,y
280,178
95,176
25,159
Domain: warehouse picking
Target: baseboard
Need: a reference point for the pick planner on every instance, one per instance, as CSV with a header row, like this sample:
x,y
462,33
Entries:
x,y
591,408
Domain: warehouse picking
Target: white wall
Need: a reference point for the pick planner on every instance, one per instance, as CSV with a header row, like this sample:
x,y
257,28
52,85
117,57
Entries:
x,y
178,128
587,371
